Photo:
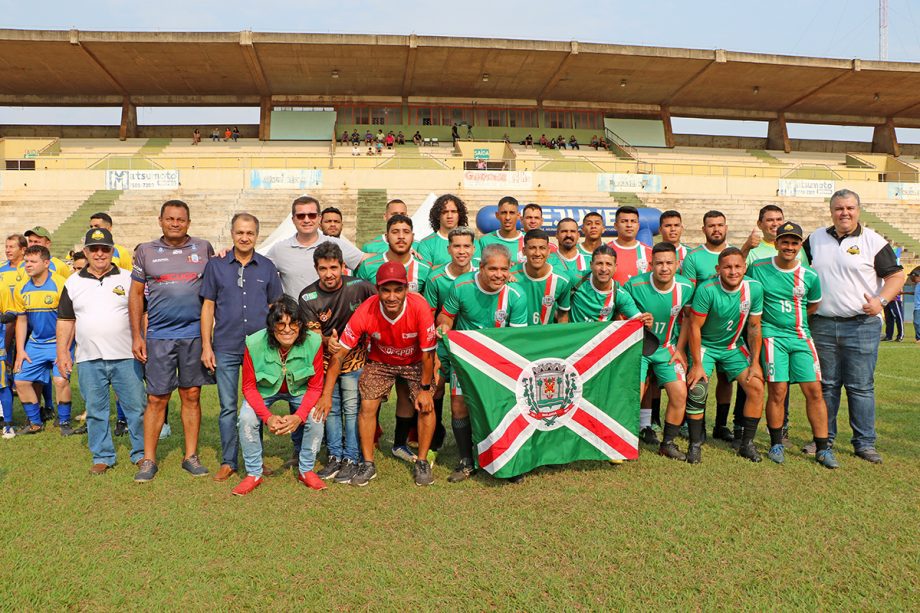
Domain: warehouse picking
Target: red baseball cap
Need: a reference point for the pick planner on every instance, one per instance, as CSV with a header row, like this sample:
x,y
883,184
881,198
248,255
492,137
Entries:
x,y
392,272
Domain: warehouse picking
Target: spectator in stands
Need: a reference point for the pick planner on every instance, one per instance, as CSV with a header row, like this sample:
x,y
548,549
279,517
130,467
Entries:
x,y
481,164
378,145
293,256
454,134
862,275
282,362
196,136
603,143
528,141
236,134
594,142
368,137
355,150
573,143
330,222
390,140
506,138
215,135
167,277
543,141
400,138
122,256
560,141
236,290
355,137
227,134
40,236
94,308
915,279
344,139
370,149
380,135
417,138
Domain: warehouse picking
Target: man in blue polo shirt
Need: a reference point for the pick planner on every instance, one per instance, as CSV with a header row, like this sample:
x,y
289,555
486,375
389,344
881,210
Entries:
x,y
170,268
236,291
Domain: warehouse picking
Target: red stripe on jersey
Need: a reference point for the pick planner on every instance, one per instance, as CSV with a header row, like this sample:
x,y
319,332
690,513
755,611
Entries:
x,y
798,281
743,295
502,306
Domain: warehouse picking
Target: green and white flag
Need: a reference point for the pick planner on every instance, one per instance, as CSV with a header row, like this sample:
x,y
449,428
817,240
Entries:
x,y
550,394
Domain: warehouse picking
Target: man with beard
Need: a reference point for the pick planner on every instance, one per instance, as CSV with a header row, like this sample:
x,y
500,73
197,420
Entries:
x,y
570,259
330,222
597,297
379,244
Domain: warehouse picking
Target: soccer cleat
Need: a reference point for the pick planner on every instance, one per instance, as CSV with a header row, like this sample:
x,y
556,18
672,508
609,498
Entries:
x,y
403,453
311,480
749,452
194,467
463,471
366,471
516,479
347,470
810,448
8,432
685,431
648,436
147,471
826,458
121,428
331,469
777,454
422,473
737,433
869,454
246,485
670,450
165,431
30,429
46,413
68,430
694,453
722,433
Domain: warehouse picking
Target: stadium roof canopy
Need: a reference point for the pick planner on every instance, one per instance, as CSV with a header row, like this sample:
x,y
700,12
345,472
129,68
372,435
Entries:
x,y
83,68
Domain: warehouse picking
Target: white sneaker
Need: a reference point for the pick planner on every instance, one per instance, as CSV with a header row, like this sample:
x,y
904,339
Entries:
x,y
165,432
8,432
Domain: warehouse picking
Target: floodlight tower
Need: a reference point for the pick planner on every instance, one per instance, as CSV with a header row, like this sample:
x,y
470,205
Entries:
x,y
883,30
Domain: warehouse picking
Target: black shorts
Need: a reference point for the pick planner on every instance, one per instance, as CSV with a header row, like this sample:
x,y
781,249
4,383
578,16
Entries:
x,y
173,363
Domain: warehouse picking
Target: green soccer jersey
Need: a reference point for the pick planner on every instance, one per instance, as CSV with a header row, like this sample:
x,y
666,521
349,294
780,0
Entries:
x,y
726,312
515,245
768,250
545,296
575,268
473,308
591,304
665,306
416,270
439,284
700,265
786,296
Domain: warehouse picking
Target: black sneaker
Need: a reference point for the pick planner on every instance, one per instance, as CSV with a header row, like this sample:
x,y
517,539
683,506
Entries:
x,y
869,454
121,428
331,469
366,471
463,471
722,433
46,413
737,434
347,470
423,474
30,429
694,453
648,436
68,430
749,452
194,467
670,450
147,471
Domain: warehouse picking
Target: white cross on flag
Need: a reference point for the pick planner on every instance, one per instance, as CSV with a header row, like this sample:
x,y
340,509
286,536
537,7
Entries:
x,y
550,394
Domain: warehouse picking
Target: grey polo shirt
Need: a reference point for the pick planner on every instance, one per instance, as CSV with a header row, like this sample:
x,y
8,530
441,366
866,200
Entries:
x,y
295,262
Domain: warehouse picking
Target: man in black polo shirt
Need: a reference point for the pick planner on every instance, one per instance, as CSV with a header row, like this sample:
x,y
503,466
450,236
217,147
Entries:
x,y
327,305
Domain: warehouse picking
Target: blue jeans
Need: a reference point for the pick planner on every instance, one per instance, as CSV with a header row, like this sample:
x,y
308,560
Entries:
x,y
228,388
126,377
251,438
848,351
342,422
916,322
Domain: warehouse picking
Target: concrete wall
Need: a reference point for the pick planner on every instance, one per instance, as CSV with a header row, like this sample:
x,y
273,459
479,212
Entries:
x,y
247,131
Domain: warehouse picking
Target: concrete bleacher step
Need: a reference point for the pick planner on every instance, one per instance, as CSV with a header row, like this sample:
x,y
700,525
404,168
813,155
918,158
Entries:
x,y
70,233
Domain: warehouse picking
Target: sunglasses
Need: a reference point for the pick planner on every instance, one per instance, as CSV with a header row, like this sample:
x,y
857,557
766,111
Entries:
x,y
102,248
302,216
293,325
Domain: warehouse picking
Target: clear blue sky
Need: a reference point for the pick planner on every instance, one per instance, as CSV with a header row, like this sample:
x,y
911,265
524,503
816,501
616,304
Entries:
x,y
826,28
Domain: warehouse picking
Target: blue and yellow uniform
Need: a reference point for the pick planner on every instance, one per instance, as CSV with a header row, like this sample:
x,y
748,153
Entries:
x,y
39,303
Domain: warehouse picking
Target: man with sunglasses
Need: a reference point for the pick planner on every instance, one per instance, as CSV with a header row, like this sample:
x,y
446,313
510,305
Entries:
x,y
236,290
94,309
293,257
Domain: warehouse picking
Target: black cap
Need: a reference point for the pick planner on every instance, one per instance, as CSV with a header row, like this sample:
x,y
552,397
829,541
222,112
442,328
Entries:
x,y
98,236
790,228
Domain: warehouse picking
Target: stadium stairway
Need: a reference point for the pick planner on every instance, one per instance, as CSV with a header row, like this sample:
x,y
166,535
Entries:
x,y
70,233
20,211
371,204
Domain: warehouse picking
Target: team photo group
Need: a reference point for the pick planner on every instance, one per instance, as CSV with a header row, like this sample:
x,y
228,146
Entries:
x,y
308,340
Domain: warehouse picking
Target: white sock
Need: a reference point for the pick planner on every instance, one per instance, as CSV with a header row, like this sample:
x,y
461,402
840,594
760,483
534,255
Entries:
x,y
645,418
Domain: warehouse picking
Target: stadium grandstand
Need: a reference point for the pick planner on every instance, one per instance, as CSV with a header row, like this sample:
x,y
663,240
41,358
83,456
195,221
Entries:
x,y
475,106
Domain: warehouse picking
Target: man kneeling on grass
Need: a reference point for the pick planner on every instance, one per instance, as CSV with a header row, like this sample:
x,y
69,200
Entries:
x,y
282,362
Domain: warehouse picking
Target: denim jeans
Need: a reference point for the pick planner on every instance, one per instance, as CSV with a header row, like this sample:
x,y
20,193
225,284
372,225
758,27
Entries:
x,y
228,387
916,322
848,351
126,377
342,422
251,439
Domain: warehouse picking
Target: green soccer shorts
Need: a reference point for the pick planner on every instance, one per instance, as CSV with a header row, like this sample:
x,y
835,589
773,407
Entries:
x,y
664,372
790,360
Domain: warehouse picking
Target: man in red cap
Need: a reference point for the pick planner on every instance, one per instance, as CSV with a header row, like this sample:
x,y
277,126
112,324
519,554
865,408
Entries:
x,y
400,327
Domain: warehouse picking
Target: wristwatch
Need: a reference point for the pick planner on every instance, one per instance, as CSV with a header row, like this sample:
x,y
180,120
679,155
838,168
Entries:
x,y
425,387
883,300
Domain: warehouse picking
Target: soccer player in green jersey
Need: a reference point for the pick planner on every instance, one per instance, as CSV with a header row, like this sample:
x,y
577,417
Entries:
x,y
507,234
399,249
479,300
570,258
791,292
671,228
665,295
547,291
721,309
597,297
379,244
447,212
592,228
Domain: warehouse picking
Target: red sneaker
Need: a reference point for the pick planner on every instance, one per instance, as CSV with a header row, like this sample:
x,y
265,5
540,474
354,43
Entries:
x,y
247,485
311,480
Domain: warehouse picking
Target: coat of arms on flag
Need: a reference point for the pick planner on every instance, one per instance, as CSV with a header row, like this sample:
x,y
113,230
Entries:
x,y
550,394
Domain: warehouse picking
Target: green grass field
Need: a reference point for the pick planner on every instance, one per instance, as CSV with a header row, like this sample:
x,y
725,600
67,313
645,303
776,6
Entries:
x,y
651,534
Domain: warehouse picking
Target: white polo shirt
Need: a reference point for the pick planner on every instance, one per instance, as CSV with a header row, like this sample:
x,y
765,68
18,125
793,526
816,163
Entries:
x,y
849,267
100,308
